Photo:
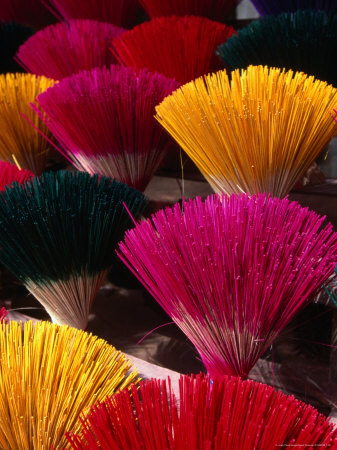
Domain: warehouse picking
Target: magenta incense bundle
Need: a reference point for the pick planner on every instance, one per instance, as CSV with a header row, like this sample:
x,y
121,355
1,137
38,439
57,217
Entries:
x,y
231,271
104,121
66,48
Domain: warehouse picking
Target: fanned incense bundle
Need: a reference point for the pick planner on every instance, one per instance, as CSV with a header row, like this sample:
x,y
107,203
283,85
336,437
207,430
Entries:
x,y
19,141
213,9
103,119
10,173
12,35
27,12
228,414
48,376
231,271
258,132
266,7
66,48
308,41
178,47
123,13
58,233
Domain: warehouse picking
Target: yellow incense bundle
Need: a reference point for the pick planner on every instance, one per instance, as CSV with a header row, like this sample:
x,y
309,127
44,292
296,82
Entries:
x,y
258,132
20,142
48,375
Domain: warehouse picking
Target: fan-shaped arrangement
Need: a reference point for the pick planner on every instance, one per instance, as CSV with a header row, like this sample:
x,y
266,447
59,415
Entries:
x,y
178,47
123,13
103,119
266,7
308,41
26,12
10,173
63,49
19,140
258,132
231,271
12,35
226,414
213,9
58,233
48,376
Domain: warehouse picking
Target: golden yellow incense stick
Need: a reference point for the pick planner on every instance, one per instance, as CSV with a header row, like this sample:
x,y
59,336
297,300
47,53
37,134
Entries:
x,y
258,132
48,375
19,140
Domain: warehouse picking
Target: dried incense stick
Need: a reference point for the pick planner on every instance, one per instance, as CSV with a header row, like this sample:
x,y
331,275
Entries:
x,y
48,376
308,40
58,234
103,121
17,136
259,132
178,47
232,271
66,48
229,414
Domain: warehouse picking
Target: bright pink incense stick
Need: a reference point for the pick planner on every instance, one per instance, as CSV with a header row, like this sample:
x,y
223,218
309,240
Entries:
x,y
63,49
229,414
178,47
103,120
232,272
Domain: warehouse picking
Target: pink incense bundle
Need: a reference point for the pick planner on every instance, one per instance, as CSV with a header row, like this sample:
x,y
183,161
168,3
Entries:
x,y
63,49
27,12
213,9
104,121
229,414
178,47
123,13
231,271
10,173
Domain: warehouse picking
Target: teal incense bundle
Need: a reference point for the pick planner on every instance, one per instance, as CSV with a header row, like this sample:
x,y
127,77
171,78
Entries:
x,y
302,41
58,234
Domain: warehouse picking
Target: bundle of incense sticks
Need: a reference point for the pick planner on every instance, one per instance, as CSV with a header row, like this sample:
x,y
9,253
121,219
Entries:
x,y
178,47
308,40
225,414
231,271
48,376
258,131
66,48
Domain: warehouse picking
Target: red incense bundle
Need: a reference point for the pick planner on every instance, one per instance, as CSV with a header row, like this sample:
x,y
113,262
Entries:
x,y
10,173
229,414
213,9
63,49
123,13
104,121
232,271
178,47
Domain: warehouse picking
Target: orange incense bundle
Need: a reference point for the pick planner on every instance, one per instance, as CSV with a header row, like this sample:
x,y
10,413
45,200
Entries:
x,y
257,132
49,374
20,142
